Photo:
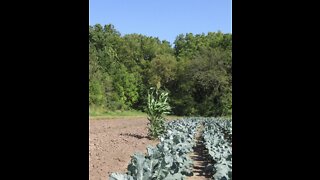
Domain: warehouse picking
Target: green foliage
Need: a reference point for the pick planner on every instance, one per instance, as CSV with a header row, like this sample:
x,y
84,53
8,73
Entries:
x,y
158,106
217,138
162,69
118,176
212,82
100,83
197,71
125,85
170,158
96,95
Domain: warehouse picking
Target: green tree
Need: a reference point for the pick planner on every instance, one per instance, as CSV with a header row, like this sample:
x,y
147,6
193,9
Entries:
x,y
197,72
162,70
212,81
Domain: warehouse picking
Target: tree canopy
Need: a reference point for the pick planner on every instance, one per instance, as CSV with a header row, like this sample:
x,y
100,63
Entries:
x,y
196,71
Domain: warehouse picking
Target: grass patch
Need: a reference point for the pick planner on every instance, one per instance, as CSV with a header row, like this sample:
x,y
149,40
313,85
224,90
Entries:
x,y
100,113
172,117
125,113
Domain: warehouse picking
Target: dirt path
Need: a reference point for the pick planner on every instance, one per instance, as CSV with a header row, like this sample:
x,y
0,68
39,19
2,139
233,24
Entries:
x,y
200,159
112,142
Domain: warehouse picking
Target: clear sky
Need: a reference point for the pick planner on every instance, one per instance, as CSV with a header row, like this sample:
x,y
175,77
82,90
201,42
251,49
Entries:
x,y
163,18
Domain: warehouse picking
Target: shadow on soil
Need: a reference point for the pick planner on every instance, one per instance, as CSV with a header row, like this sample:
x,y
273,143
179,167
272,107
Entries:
x,y
134,135
201,160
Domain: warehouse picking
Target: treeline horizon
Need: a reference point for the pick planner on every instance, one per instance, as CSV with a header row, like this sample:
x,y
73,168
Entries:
x,y
196,71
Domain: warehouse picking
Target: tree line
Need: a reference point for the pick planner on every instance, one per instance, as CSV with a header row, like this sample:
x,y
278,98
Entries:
x,y
196,71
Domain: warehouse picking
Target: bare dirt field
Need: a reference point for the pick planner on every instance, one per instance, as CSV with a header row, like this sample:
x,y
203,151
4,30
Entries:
x,y
112,142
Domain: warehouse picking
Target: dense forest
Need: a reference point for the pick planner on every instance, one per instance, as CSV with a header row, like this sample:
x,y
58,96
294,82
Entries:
x,y
196,71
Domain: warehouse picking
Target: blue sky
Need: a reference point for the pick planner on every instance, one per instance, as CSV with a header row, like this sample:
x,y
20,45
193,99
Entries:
x,y
163,18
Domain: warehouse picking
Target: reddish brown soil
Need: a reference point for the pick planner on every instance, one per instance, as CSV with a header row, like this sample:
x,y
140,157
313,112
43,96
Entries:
x,y
200,159
112,142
